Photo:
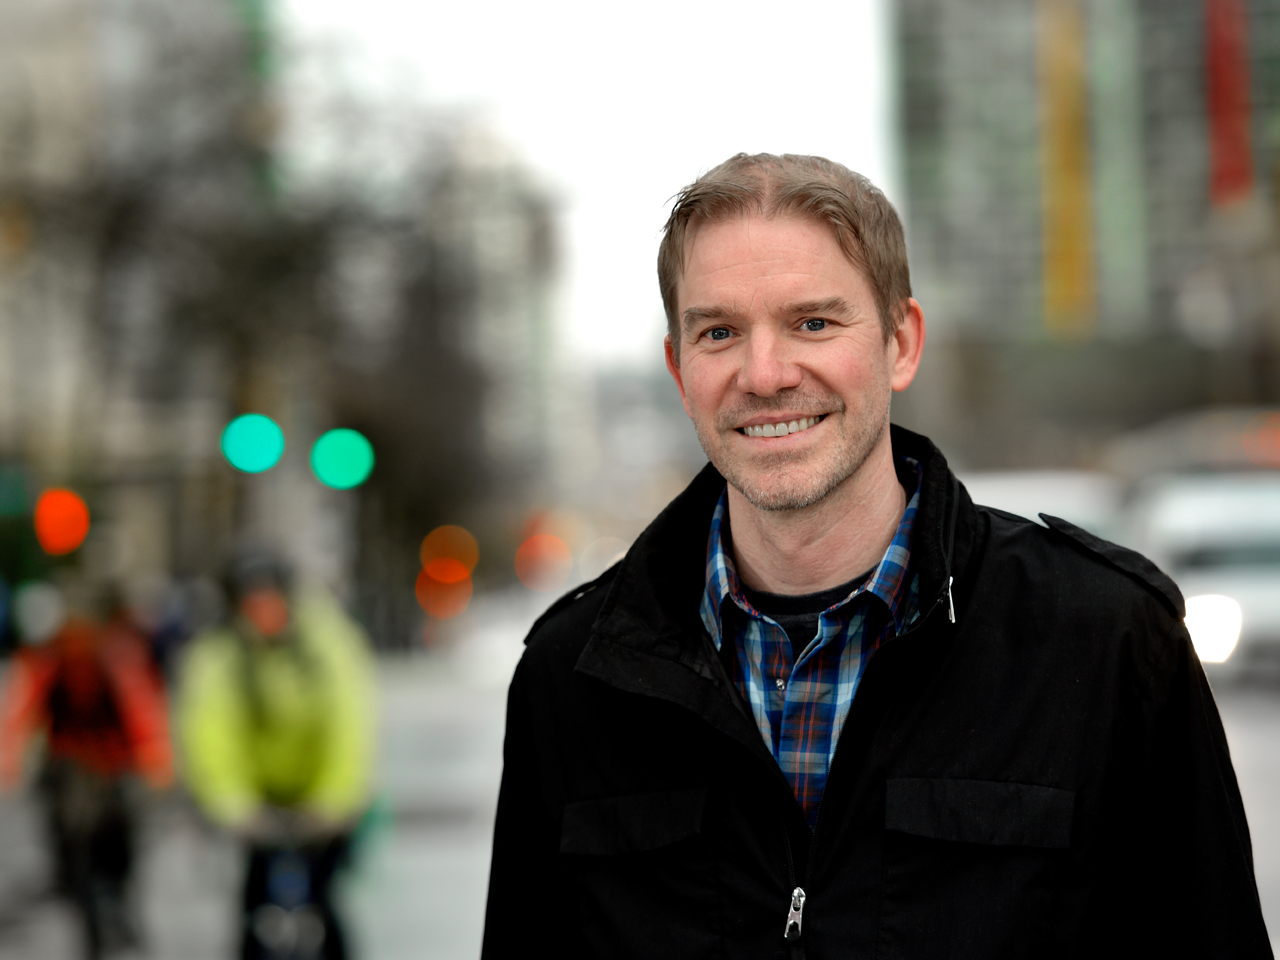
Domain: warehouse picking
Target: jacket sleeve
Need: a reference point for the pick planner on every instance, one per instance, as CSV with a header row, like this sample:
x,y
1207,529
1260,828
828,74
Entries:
x,y
22,707
213,731
1201,892
141,701
342,786
529,906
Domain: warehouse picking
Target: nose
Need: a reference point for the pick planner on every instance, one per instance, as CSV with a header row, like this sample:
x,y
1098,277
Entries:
x,y
767,365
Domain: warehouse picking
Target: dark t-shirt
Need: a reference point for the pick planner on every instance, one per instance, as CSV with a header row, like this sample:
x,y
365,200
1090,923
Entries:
x,y
798,614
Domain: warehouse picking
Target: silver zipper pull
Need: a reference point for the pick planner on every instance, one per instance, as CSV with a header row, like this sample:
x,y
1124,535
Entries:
x,y
951,604
795,914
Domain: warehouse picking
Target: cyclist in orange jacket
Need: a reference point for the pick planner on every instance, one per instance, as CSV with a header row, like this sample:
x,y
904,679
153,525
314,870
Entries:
x,y
93,692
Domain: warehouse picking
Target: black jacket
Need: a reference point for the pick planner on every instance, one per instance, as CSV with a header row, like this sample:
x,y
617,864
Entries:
x,y
1043,776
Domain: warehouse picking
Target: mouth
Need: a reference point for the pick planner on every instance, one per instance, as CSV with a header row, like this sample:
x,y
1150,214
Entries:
x,y
781,428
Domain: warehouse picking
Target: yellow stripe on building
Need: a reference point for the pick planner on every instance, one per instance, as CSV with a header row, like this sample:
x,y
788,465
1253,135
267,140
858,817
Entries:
x,y
1070,283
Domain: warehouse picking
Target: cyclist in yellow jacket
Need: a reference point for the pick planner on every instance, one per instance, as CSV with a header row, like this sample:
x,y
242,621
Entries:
x,y
276,718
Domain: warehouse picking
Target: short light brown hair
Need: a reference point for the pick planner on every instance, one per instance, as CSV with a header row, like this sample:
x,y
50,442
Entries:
x,y
865,224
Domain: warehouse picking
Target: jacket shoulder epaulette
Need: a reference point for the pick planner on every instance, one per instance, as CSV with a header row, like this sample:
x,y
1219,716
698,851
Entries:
x,y
573,596
1127,561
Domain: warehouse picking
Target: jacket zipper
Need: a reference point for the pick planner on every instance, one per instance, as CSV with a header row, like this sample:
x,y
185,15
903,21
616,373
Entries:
x,y
795,908
795,915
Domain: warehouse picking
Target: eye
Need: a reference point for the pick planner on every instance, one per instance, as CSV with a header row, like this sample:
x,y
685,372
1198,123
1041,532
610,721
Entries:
x,y
717,333
813,325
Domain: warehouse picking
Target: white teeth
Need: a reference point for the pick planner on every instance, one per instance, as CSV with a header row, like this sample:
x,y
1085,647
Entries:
x,y
780,429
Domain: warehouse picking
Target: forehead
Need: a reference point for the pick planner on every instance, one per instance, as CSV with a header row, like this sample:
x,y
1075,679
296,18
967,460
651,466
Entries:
x,y
746,255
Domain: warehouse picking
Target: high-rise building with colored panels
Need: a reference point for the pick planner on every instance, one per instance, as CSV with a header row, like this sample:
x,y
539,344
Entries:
x,y
1091,211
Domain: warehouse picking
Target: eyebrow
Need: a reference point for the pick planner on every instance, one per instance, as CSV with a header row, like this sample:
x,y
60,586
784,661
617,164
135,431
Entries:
x,y
695,315
838,306
831,305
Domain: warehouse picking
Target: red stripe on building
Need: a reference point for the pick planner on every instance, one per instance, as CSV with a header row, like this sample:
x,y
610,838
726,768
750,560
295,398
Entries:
x,y
1227,97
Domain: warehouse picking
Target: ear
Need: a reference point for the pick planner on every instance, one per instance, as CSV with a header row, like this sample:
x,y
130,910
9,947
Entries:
x,y
673,367
906,346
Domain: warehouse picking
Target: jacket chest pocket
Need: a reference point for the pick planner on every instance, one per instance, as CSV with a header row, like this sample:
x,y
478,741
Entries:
x,y
643,875
981,811
973,868
631,824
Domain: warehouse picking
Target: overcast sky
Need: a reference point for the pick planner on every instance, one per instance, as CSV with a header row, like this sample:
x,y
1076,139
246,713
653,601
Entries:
x,y
616,107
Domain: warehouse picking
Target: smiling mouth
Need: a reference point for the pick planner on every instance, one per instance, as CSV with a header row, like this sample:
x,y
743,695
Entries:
x,y
782,428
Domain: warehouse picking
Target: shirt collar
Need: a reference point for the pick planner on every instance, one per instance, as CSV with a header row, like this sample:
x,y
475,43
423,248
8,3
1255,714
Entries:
x,y
888,581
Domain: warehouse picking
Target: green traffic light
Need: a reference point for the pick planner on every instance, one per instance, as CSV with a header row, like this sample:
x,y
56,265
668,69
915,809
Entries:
x,y
252,443
342,459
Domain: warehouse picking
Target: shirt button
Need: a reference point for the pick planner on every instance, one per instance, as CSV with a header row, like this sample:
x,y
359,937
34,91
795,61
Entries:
x,y
780,684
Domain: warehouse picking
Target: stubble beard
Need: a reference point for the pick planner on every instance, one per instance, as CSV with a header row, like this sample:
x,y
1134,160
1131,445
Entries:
x,y
795,480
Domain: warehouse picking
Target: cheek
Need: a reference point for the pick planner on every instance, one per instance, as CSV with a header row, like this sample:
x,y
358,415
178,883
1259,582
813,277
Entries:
x,y
868,371
703,388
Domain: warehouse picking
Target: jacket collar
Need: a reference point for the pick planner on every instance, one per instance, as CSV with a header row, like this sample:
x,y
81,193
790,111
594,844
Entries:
x,y
648,637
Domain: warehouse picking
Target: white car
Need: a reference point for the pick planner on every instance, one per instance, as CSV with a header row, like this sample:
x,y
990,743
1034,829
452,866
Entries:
x,y
1086,498
1218,536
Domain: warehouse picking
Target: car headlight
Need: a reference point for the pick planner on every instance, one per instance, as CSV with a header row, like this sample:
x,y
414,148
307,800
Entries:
x,y
1214,624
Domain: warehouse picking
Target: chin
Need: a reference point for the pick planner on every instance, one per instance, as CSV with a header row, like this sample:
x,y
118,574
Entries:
x,y
777,499
784,490
792,481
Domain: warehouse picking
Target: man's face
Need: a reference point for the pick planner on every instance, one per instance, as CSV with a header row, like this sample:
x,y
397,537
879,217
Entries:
x,y
783,366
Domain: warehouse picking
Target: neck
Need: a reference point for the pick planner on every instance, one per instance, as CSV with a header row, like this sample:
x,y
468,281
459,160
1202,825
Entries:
x,y
824,545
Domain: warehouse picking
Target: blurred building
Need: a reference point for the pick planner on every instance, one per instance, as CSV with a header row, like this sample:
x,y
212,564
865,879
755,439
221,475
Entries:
x,y
445,360
129,132
643,453
1092,216
156,281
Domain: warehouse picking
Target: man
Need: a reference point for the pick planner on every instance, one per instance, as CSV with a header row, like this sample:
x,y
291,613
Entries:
x,y
827,707
276,723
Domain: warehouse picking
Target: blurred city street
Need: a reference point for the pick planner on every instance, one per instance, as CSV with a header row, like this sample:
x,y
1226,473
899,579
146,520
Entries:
x,y
417,887
327,351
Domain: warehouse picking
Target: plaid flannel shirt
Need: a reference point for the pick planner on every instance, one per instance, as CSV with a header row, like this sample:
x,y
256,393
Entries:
x,y
800,708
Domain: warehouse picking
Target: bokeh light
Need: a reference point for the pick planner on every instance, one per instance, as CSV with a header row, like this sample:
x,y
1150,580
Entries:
x,y
450,543
1214,622
444,586
447,570
442,600
342,459
252,443
543,562
61,521
1261,440
39,611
